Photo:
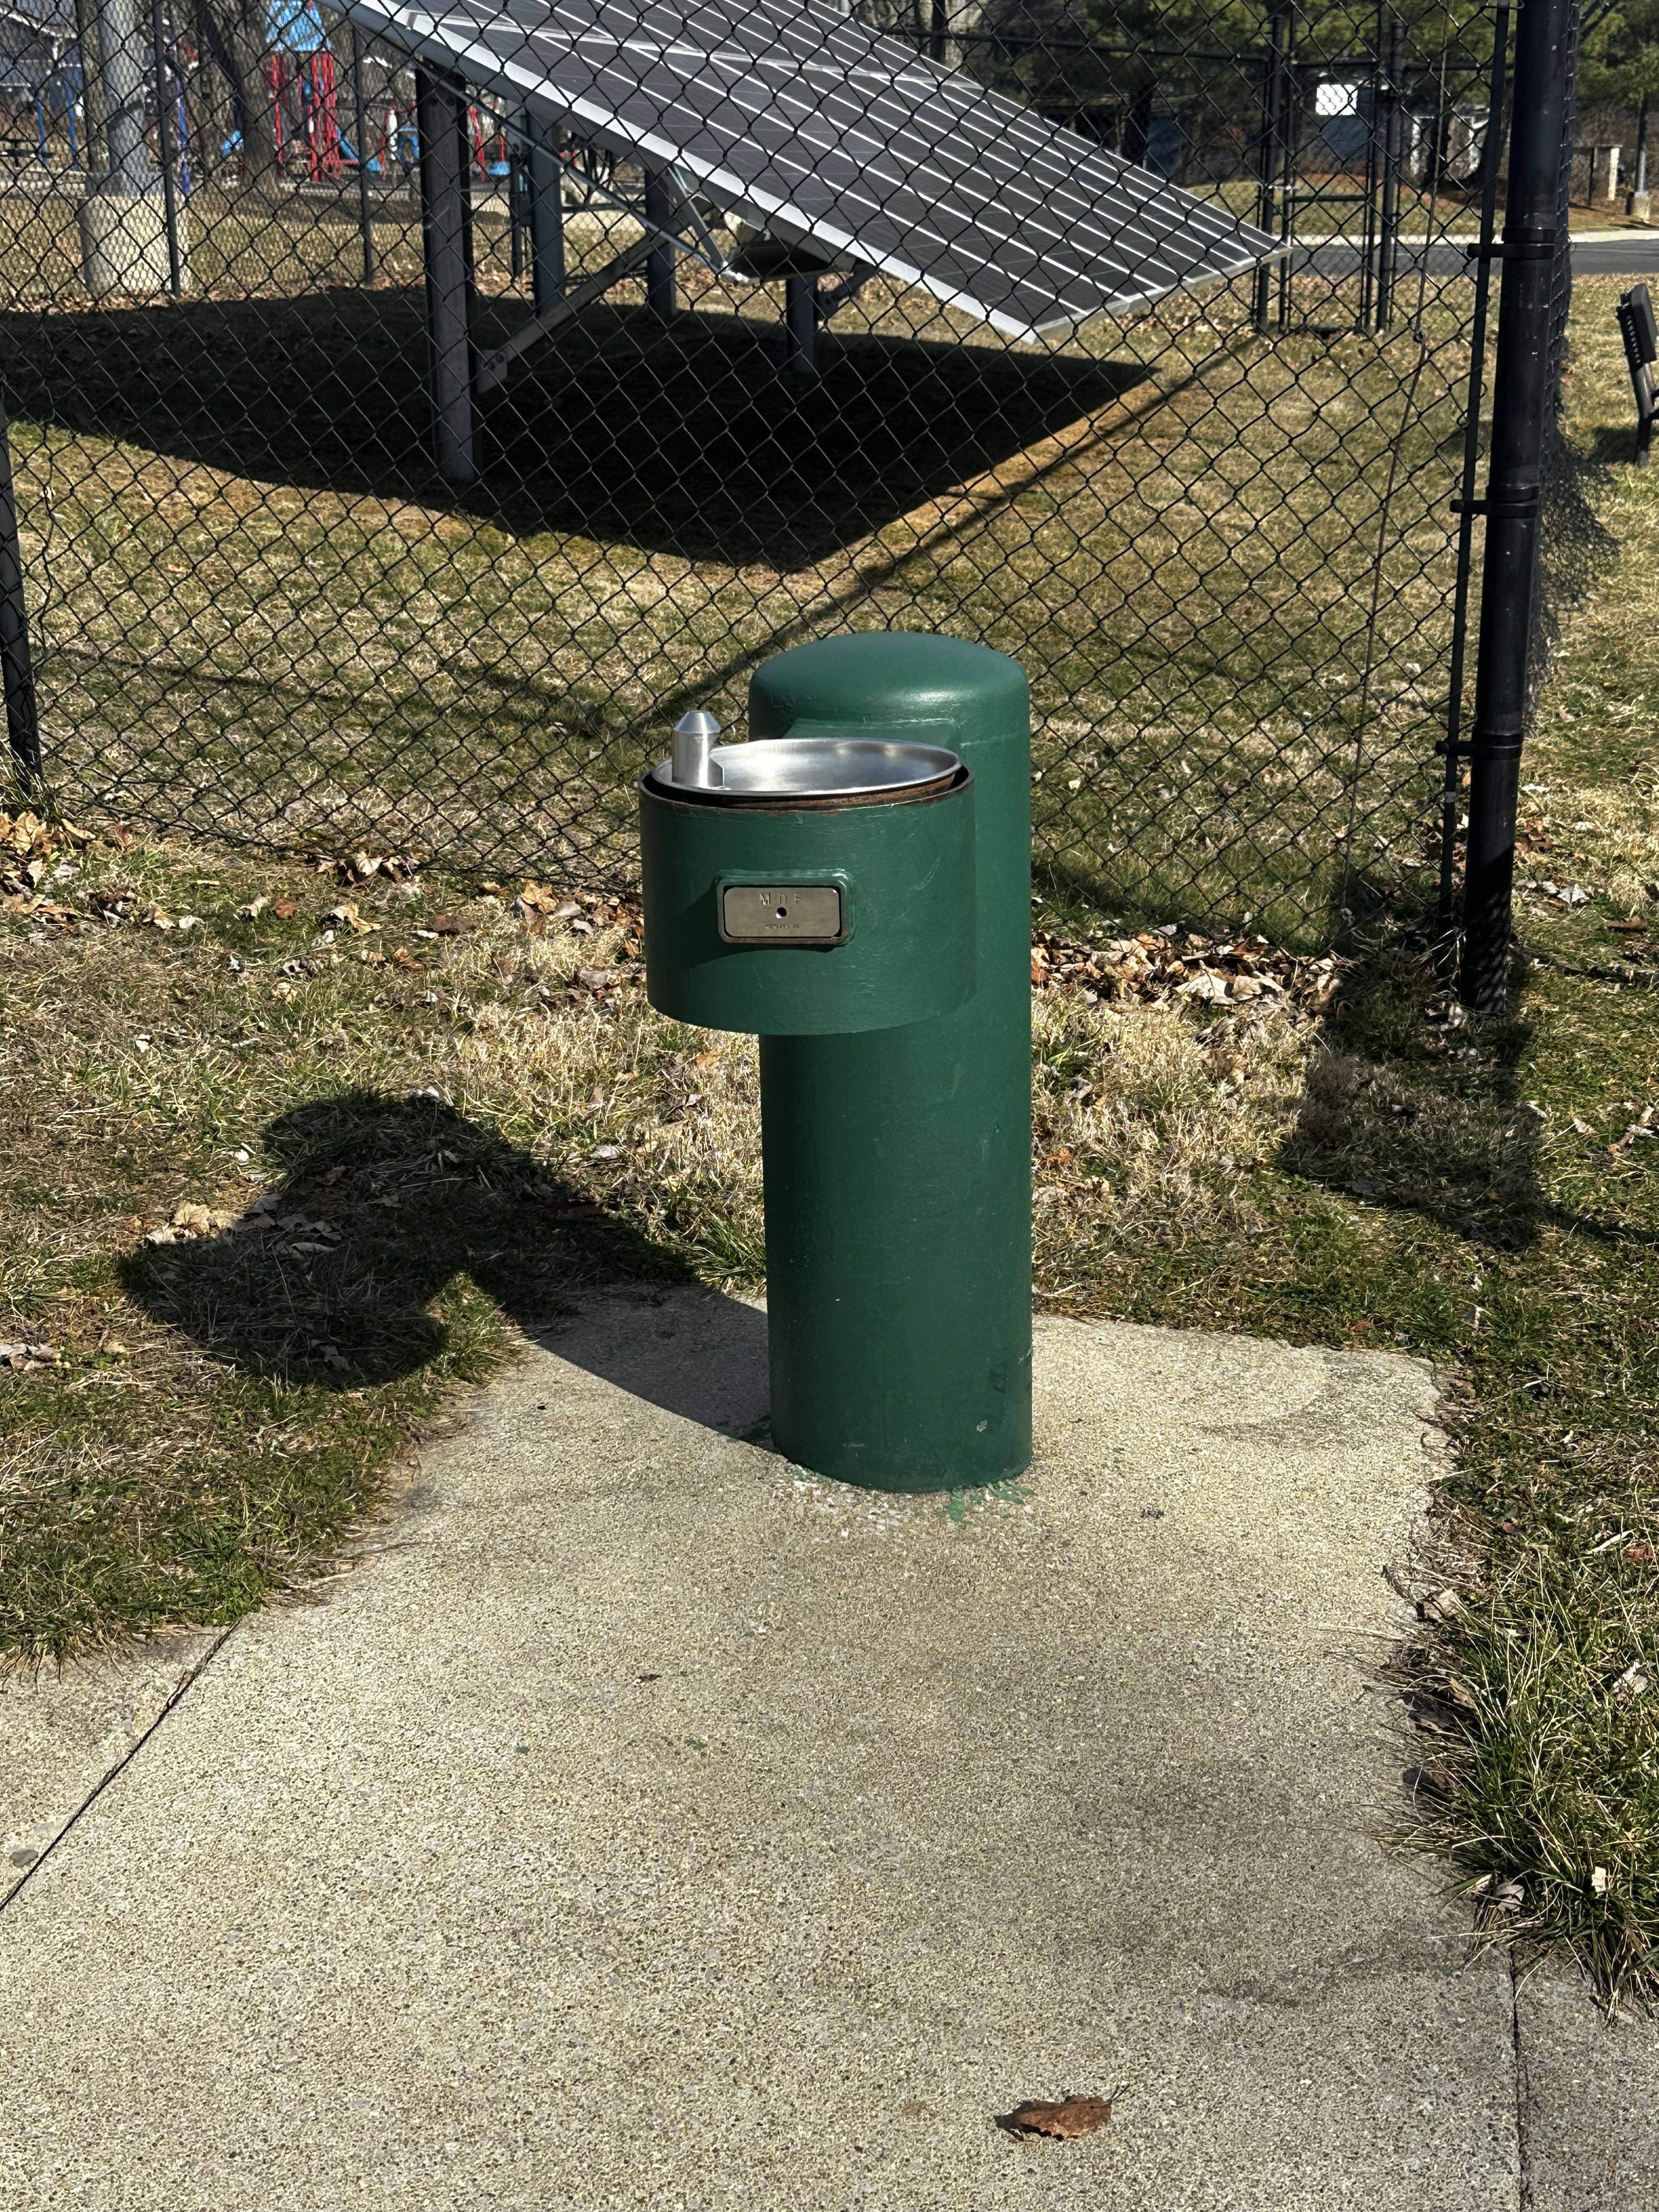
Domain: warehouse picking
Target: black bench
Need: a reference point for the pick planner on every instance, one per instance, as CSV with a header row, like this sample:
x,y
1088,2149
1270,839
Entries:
x,y
1637,328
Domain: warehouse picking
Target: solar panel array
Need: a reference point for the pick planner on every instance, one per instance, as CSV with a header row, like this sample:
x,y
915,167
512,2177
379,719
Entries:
x,y
812,127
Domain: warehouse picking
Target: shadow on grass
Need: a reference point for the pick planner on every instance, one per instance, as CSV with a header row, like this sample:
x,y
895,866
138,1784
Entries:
x,y
389,1207
687,437
1412,1109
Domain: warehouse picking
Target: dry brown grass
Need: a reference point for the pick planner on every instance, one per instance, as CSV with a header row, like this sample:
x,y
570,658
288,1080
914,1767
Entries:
x,y
457,1131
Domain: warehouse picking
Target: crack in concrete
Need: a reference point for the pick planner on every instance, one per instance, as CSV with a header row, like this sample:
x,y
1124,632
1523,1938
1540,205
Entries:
x,y
1523,2149
192,1675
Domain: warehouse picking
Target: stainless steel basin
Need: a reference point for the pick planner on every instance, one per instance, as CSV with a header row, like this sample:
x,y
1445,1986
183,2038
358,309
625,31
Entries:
x,y
773,771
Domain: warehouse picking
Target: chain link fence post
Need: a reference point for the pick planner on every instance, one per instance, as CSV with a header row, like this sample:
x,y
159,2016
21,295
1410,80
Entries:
x,y
1524,396
17,663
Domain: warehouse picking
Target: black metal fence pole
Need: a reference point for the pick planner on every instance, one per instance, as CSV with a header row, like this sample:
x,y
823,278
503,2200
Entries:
x,y
168,152
1524,400
17,663
1387,250
360,133
1452,748
1266,188
518,191
1373,193
1289,149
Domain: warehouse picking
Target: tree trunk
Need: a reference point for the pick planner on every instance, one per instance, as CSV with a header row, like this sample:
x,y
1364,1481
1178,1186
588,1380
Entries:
x,y
237,34
94,126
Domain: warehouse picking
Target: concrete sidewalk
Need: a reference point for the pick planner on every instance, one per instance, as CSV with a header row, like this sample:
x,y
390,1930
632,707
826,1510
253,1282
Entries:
x,y
643,1826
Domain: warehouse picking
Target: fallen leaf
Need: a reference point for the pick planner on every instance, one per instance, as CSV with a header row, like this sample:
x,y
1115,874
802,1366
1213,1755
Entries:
x,y
347,917
1440,1607
1510,1896
1640,1554
1634,1682
253,909
1071,2117
595,978
286,908
450,925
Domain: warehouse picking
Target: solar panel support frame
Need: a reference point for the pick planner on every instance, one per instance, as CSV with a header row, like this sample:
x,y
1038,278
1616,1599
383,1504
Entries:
x,y
664,197
546,173
1180,241
842,295
490,368
445,227
800,323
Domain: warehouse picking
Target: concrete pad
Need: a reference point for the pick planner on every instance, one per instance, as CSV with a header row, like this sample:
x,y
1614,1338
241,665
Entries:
x,y
61,1735
1591,2123
647,1827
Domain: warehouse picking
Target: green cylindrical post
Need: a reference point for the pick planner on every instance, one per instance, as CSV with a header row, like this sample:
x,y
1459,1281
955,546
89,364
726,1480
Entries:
x,y
897,1160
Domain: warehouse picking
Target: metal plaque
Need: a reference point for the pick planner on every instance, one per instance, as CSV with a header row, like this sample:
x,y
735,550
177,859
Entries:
x,y
782,913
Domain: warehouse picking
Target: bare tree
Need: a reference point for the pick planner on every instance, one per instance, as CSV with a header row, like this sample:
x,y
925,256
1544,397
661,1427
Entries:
x,y
233,32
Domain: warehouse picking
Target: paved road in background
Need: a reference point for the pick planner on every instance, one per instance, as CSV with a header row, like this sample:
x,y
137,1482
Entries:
x,y
1595,253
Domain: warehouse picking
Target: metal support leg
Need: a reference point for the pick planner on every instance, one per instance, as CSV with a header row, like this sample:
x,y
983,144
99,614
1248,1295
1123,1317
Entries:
x,y
800,316
546,214
444,227
661,200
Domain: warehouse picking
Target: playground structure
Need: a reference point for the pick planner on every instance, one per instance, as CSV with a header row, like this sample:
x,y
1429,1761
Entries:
x,y
301,79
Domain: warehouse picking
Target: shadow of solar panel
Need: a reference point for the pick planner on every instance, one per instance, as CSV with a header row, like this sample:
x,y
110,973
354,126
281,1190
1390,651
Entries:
x,y
811,127
694,442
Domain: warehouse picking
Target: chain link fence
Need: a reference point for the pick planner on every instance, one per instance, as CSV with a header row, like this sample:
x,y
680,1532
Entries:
x,y
1215,527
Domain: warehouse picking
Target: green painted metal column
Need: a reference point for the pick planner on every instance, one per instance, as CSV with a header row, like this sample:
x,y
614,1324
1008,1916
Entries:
x,y
897,1160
